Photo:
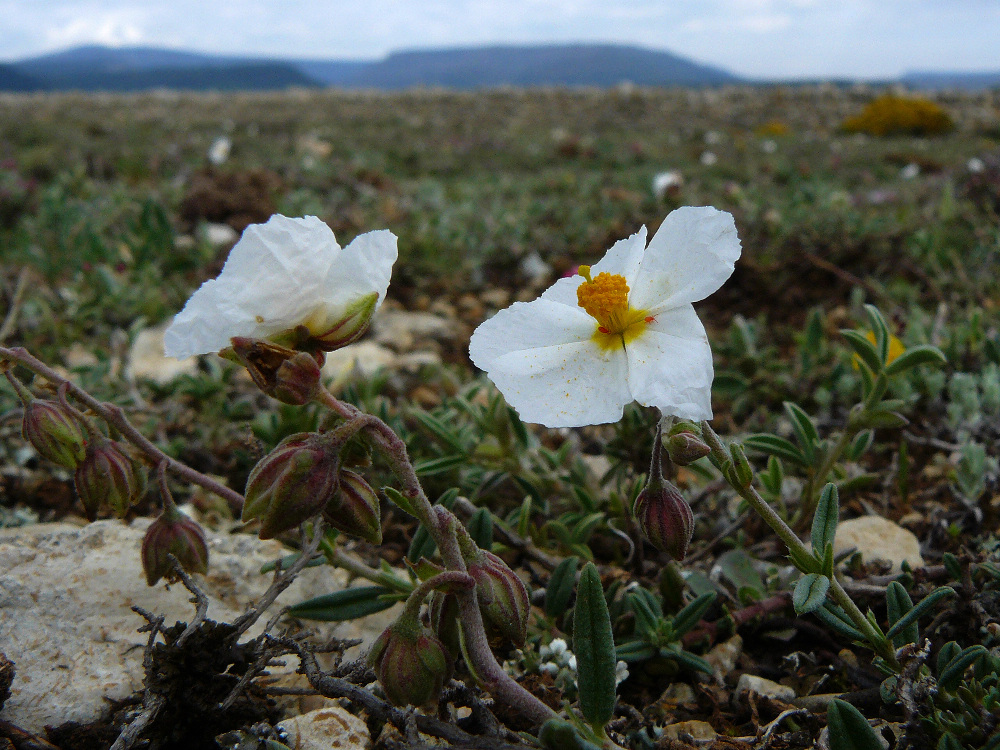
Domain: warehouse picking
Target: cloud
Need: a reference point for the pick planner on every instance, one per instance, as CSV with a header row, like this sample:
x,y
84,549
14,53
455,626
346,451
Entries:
x,y
114,29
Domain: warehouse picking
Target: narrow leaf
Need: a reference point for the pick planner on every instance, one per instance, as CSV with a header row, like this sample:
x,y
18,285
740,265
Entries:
x,y
804,428
560,588
810,593
914,357
863,349
919,610
824,525
775,446
849,729
399,499
440,465
690,616
559,734
692,662
838,624
898,604
348,604
952,674
422,544
881,331
481,529
439,429
594,647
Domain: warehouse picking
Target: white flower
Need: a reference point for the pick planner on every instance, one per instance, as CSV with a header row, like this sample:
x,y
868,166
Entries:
x,y
280,275
709,158
910,171
625,330
218,152
665,181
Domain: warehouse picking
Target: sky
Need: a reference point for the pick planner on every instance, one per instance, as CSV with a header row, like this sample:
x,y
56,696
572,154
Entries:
x,y
865,39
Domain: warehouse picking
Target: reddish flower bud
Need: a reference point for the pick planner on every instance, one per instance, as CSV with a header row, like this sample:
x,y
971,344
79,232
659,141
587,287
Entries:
x,y
55,432
291,484
503,597
290,376
109,475
354,508
665,518
410,663
349,327
173,533
685,448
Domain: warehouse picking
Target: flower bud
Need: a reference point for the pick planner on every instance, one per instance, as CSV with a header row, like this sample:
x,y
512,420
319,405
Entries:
x,y
685,448
350,326
292,377
173,533
665,518
109,476
503,597
55,432
410,663
291,484
354,508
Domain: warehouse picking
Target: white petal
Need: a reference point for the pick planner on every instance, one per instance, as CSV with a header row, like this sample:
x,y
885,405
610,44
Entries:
x,y
541,357
364,266
273,278
690,256
670,365
623,258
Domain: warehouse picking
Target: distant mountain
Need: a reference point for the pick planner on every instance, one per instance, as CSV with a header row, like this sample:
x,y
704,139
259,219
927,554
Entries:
x,y
968,81
95,68
559,65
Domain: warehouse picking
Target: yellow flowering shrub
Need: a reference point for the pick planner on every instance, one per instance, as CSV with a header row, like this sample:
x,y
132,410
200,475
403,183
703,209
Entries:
x,y
899,115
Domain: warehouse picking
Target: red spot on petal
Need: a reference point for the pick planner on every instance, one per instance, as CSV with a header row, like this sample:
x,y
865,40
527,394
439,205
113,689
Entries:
x,y
650,319
602,329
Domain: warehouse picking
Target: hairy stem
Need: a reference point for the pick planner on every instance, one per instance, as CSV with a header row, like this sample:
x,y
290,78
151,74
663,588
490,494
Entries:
x,y
114,416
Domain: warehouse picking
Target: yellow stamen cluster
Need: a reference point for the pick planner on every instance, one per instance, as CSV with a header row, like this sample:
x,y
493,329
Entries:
x,y
605,298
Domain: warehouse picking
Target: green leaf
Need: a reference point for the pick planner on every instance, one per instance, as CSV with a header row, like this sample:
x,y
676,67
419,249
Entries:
x,y
810,593
881,331
481,529
948,652
833,618
422,544
898,604
805,430
646,621
884,419
914,357
440,465
560,588
559,734
919,610
774,477
849,729
594,647
951,675
775,446
824,525
633,651
348,604
692,662
399,499
863,348
585,527
690,616
440,430
287,560
949,742
862,442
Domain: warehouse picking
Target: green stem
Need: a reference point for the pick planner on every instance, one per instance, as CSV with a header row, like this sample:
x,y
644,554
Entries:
x,y
338,558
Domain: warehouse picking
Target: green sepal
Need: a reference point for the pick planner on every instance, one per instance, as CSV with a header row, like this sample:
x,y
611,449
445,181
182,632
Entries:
x,y
810,593
399,499
594,646
849,729
560,588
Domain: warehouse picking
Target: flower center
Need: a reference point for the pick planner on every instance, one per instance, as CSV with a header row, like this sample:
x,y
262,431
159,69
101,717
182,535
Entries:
x,y
605,298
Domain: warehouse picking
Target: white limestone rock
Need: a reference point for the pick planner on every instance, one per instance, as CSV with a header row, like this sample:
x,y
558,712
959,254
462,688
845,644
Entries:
x,y
331,728
878,538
